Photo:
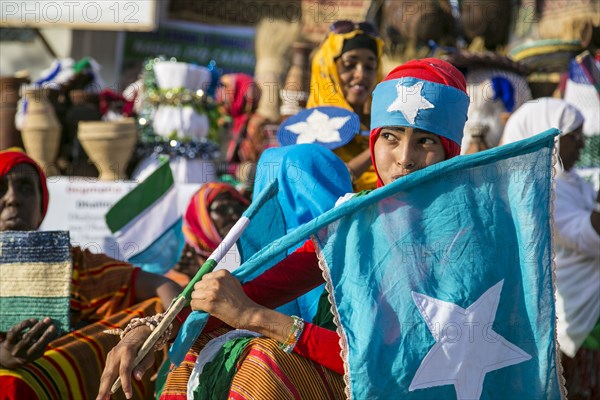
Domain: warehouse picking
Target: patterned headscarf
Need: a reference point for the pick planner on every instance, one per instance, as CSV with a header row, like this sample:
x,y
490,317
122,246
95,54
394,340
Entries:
x,y
438,82
10,158
324,79
198,227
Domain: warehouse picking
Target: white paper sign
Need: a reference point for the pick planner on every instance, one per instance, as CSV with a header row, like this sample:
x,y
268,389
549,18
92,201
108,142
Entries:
x,y
78,205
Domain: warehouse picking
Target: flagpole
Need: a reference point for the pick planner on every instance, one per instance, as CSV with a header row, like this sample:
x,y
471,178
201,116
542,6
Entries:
x,y
183,299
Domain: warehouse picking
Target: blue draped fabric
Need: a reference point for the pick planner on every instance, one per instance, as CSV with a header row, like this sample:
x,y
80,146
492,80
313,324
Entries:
x,y
311,179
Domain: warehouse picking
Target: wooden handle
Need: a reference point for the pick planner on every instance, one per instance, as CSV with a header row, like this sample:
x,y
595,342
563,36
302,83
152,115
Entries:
x,y
148,345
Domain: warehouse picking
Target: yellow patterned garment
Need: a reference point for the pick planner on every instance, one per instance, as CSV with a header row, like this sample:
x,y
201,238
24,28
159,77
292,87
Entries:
x,y
325,90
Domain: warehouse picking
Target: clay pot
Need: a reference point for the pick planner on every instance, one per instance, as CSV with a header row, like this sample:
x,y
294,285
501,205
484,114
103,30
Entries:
x,y
294,94
9,96
41,130
109,144
85,106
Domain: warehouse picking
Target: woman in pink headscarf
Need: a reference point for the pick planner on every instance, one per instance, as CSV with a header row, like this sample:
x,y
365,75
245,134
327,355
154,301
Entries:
x,y
239,95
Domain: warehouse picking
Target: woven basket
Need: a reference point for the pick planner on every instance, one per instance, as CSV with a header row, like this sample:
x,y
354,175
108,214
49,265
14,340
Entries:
x,y
35,277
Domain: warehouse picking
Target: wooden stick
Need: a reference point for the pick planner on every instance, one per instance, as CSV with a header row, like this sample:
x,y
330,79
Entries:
x,y
174,309
182,300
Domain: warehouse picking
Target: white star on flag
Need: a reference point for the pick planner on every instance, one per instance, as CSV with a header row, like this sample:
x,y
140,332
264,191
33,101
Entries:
x,y
318,127
468,347
410,101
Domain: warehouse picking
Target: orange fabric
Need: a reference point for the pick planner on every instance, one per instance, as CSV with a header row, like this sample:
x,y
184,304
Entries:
x,y
198,227
71,367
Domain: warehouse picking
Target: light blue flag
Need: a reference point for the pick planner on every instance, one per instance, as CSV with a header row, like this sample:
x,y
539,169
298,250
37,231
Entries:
x,y
442,282
265,225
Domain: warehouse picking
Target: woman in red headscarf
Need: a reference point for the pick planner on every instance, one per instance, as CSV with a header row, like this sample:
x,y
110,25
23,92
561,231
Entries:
x,y
104,294
417,118
210,214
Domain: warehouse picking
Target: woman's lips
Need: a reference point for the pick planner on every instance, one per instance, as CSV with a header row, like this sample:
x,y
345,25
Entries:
x,y
358,88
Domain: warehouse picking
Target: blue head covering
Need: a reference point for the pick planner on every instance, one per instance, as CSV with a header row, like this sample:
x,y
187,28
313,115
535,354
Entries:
x,y
311,180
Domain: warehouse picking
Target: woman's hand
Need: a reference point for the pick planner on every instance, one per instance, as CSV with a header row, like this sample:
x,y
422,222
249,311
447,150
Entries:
x,y
119,363
26,342
221,295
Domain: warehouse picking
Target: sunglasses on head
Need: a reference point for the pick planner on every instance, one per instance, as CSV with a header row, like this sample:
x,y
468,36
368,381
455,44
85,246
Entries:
x,y
347,26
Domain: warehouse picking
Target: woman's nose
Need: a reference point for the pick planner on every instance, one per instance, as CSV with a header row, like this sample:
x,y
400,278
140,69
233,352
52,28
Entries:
x,y
10,196
404,156
359,71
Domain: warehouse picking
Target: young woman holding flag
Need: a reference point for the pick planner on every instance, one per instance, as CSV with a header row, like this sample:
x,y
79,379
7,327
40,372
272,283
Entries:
x,y
417,120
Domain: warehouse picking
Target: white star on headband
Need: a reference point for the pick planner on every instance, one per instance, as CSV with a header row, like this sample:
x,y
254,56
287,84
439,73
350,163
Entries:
x,y
410,101
318,127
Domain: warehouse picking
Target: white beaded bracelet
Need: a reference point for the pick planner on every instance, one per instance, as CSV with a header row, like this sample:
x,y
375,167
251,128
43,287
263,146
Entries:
x,y
151,322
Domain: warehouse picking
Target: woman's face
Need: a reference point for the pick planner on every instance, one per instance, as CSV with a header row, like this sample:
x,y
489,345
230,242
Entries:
x,y
20,199
399,151
357,70
225,210
570,147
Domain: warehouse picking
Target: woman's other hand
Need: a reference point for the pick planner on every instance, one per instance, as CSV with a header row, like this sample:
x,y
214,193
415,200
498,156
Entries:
x,y
26,342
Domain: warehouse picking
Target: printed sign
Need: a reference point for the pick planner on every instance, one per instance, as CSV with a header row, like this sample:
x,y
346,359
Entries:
x,y
78,205
232,48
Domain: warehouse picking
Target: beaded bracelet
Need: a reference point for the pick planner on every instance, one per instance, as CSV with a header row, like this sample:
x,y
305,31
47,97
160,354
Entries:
x,y
151,322
292,339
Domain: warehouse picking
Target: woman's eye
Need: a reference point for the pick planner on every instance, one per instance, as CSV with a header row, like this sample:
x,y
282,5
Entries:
x,y
388,136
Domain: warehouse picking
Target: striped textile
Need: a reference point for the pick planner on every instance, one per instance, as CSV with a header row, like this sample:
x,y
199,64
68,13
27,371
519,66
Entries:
x,y
176,385
582,374
72,365
267,372
35,276
100,286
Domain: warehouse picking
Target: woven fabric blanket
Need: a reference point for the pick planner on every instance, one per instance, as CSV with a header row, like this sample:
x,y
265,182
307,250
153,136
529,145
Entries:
x,y
35,277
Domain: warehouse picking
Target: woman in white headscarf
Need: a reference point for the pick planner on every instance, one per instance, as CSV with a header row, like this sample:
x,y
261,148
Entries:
x,y
576,245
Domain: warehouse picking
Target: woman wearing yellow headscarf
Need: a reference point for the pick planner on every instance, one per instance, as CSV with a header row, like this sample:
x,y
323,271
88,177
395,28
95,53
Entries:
x,y
345,70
